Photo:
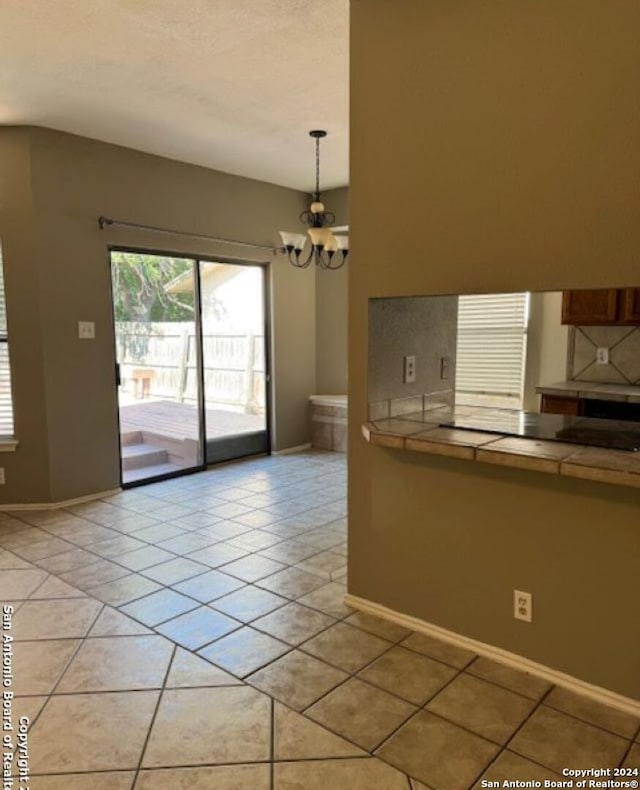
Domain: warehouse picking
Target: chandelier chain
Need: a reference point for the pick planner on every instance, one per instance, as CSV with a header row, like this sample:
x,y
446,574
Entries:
x,y
317,168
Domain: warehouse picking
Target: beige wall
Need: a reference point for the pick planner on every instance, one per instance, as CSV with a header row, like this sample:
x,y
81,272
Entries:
x,y
26,470
547,346
332,310
507,160
54,186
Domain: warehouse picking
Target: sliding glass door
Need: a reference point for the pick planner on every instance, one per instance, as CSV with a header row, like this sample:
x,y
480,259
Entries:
x,y
159,392
234,359
191,353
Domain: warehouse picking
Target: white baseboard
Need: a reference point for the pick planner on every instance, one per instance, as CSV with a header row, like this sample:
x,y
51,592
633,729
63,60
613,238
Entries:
x,y
597,693
65,503
300,448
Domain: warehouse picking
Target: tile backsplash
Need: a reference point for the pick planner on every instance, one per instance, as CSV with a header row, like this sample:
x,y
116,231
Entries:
x,y
623,343
422,326
399,407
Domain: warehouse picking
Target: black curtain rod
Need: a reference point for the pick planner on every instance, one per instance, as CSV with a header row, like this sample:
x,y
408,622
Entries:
x,y
104,222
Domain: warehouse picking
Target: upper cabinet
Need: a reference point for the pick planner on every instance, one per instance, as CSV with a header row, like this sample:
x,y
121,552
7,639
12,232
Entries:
x,y
601,306
590,307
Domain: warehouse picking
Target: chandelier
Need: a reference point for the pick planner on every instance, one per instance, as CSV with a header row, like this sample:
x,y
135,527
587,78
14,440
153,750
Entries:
x,y
327,251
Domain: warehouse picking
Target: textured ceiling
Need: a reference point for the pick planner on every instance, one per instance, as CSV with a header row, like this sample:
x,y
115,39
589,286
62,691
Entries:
x,y
230,84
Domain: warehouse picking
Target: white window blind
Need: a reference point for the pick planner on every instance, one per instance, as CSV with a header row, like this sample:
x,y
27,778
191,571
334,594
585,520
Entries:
x,y
6,405
492,342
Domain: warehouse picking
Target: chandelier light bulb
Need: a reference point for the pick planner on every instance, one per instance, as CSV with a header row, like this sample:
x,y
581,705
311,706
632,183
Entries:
x,y
331,244
294,241
317,207
319,236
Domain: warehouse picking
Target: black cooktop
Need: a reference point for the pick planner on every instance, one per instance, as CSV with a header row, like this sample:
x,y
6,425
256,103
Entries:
x,y
617,434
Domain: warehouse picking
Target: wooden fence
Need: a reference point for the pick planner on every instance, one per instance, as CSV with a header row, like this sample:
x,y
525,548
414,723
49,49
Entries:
x,y
234,365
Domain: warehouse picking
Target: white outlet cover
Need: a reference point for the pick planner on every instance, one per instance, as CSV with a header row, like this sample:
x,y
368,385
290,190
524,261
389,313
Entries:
x,y
86,330
523,606
602,355
410,369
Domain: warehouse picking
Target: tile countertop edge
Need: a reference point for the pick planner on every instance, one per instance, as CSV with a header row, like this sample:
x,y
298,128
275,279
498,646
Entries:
x,y
592,390
553,457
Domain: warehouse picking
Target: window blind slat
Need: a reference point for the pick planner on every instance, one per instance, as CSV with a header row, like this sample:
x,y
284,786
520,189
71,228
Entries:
x,y
492,344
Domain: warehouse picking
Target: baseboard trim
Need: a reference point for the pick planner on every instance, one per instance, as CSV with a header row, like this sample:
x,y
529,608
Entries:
x,y
299,448
64,503
514,660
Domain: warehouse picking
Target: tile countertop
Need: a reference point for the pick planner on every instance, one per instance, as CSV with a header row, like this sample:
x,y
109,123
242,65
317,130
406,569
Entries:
x,y
420,432
592,390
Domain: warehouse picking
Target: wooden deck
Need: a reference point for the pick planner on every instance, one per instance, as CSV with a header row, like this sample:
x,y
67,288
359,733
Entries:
x,y
180,420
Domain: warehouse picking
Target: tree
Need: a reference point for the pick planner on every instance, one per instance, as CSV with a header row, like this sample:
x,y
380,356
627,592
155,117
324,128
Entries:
x,y
139,283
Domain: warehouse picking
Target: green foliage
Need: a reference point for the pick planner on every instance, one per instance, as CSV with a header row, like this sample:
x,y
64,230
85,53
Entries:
x,y
139,283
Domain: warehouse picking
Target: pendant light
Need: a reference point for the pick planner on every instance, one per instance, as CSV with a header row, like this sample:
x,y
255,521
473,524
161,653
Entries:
x,y
328,251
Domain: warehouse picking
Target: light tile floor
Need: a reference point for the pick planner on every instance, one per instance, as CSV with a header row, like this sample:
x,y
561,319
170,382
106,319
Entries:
x,y
193,633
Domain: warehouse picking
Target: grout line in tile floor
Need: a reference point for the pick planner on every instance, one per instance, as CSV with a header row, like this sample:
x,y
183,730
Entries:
x,y
141,572
212,765
578,718
350,676
163,768
422,707
241,624
46,578
153,628
538,703
246,679
81,641
191,766
155,713
519,727
635,738
294,535
356,675
272,746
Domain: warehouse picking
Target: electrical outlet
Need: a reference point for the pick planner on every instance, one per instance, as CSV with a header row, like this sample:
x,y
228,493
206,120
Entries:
x,y
409,370
602,355
86,330
523,606
2,480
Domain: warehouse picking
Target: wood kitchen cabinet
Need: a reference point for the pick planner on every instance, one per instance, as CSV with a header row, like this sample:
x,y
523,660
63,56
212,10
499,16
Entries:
x,y
630,306
556,404
589,307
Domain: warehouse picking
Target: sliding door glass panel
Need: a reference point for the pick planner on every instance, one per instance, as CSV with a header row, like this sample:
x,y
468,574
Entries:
x,y
234,359
157,352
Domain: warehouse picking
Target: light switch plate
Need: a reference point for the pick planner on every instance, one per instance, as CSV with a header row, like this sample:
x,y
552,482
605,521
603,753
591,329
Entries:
x,y
2,479
602,355
409,370
86,330
445,364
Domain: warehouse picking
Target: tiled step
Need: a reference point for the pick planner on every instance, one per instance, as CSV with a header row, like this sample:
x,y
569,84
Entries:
x,y
138,456
147,472
130,437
